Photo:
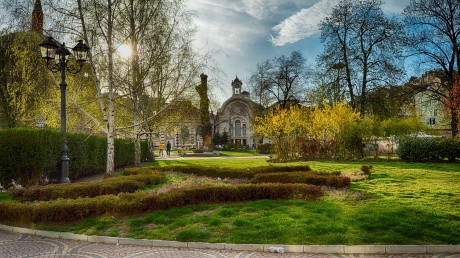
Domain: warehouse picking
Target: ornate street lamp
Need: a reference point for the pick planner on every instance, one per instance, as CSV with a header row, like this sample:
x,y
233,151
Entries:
x,y
56,56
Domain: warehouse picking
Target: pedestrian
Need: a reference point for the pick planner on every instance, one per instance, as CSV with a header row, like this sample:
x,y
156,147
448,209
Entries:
x,y
168,148
161,147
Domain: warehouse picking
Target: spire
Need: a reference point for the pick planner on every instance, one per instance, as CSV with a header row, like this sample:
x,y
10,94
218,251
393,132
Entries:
x,y
37,17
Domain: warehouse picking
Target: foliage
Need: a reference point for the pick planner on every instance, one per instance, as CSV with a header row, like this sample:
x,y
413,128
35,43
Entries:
x,y
319,179
330,131
233,173
413,149
281,126
366,169
67,210
265,148
125,184
32,156
24,79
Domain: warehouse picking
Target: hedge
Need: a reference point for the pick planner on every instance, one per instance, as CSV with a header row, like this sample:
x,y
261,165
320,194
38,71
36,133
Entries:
x,y
69,210
125,184
29,156
247,173
412,149
313,178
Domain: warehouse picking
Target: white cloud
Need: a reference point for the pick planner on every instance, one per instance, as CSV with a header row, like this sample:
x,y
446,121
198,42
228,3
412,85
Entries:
x,y
261,9
302,24
226,26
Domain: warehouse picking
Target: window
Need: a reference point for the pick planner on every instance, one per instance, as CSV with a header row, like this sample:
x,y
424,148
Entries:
x,y
237,128
244,129
435,111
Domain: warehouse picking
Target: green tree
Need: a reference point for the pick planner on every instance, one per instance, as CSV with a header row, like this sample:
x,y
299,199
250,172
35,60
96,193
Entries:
x,y
24,80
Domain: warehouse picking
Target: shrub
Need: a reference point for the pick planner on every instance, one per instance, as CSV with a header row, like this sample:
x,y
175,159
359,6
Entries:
x,y
247,173
366,169
126,184
304,178
413,149
68,210
265,148
449,148
29,156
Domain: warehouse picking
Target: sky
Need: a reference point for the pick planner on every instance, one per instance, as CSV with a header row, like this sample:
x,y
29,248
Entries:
x,y
247,32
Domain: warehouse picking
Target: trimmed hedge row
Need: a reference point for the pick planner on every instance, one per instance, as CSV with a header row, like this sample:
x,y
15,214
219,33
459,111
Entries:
x,y
234,173
67,210
29,156
125,184
313,178
413,149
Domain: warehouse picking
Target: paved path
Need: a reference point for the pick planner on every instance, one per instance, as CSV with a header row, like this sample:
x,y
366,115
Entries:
x,y
17,245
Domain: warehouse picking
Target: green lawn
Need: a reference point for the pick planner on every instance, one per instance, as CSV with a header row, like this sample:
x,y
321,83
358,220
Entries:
x,y
401,203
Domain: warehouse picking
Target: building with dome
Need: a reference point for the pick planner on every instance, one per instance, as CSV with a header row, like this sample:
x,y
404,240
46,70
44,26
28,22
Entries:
x,y
236,116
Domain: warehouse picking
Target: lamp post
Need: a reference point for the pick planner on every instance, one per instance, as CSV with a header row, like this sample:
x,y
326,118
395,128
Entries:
x,y
57,56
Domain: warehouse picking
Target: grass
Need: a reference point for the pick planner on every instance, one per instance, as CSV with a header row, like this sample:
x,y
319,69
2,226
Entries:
x,y
401,203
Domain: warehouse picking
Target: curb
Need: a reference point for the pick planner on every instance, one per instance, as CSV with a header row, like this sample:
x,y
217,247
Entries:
x,y
331,249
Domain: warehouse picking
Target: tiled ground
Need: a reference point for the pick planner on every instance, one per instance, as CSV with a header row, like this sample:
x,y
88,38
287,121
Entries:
x,y
16,245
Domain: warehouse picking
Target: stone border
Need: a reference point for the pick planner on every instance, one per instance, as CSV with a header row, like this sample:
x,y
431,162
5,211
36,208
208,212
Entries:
x,y
331,249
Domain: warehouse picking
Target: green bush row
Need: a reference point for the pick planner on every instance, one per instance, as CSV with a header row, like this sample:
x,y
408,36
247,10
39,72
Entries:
x,y
313,178
412,149
68,210
233,173
125,184
29,156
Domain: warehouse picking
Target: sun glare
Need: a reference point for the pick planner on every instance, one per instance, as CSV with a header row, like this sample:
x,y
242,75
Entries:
x,y
124,51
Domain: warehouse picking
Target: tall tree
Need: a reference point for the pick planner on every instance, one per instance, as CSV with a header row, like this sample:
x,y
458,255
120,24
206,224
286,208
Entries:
x,y
23,79
162,65
433,28
205,122
367,45
281,79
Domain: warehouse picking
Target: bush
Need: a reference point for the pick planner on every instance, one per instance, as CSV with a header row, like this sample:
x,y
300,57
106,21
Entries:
x,y
265,148
304,178
125,184
449,148
366,169
413,149
29,156
247,173
68,210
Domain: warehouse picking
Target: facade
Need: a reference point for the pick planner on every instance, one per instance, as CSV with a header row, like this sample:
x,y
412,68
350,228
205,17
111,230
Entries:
x,y
236,116
428,106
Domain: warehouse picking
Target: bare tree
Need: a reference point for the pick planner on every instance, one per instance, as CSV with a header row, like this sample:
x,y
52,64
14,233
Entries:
x,y
367,45
280,80
433,28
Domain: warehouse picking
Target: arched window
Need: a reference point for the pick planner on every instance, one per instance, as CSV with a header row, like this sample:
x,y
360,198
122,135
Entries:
x,y
244,129
237,128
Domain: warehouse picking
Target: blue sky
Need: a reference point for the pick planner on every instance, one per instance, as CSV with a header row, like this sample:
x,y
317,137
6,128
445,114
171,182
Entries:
x,y
247,32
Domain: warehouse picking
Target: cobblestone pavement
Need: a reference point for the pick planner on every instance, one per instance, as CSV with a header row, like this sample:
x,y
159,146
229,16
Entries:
x,y
21,246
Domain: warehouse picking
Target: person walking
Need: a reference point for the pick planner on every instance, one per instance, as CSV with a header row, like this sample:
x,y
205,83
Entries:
x,y
161,147
168,148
